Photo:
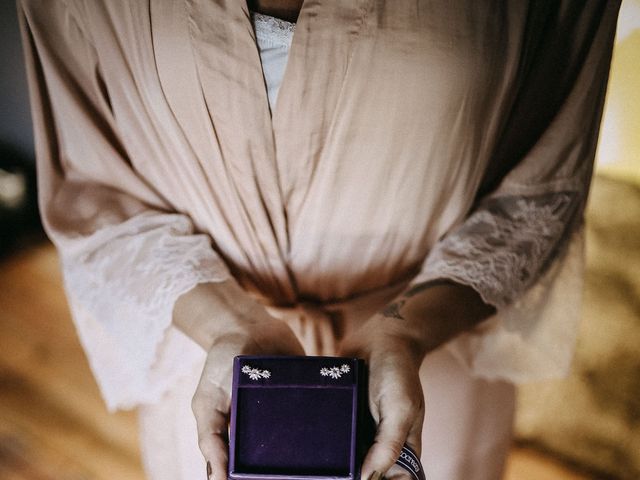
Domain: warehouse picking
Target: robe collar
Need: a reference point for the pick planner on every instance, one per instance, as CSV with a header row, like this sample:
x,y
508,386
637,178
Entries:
x,y
209,67
207,58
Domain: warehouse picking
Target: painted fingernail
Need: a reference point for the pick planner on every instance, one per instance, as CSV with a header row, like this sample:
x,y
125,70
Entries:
x,y
208,470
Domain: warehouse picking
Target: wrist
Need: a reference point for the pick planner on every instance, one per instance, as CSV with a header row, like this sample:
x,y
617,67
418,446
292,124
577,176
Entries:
x,y
395,337
432,313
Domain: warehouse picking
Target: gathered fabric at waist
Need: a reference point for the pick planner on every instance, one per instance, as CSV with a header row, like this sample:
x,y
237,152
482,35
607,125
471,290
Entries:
x,y
321,326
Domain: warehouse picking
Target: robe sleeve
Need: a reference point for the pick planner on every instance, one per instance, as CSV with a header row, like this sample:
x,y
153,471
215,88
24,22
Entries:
x,y
521,247
125,255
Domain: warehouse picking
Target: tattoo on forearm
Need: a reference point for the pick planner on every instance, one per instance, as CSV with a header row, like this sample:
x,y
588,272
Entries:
x,y
393,310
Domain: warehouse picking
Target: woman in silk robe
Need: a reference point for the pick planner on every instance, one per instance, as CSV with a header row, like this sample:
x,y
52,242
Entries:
x,y
411,142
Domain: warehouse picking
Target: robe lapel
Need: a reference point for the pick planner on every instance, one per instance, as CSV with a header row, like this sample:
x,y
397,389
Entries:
x,y
228,62
210,70
308,103
206,66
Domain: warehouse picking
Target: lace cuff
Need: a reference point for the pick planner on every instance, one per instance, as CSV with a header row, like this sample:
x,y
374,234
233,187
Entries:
x,y
502,248
122,290
534,337
523,255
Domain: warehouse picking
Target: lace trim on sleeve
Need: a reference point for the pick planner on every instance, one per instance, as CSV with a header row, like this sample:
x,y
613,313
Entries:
x,y
122,296
503,247
533,338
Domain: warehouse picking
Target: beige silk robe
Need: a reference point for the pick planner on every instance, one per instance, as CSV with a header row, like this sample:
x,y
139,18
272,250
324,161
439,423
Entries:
x,y
410,140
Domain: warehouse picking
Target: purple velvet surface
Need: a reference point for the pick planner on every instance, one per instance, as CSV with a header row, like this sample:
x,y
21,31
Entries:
x,y
290,431
295,422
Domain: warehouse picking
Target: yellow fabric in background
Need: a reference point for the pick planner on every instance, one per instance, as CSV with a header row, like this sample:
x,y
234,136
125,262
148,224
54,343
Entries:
x,y
619,149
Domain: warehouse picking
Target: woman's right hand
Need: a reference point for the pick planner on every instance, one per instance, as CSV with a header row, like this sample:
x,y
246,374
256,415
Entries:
x,y
243,327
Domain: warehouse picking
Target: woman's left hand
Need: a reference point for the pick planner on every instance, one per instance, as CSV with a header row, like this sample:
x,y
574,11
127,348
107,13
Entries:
x,y
395,392
394,343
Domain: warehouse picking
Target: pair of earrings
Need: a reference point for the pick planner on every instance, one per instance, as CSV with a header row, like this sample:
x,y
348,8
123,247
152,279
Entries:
x,y
333,372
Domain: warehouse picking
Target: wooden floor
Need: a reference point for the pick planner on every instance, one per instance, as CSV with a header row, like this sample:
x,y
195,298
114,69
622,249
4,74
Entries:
x,y
53,425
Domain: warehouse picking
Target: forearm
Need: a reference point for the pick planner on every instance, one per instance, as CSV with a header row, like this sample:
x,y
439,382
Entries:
x,y
210,310
431,313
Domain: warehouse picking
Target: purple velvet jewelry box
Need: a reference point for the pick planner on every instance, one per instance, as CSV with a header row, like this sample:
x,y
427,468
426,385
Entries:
x,y
298,418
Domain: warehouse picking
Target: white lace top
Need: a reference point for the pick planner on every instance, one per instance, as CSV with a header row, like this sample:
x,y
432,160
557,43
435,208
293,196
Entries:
x,y
273,36
164,162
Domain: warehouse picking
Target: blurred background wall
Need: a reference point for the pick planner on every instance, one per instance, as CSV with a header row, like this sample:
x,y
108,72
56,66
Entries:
x,y
53,424
19,220
15,121
619,148
592,418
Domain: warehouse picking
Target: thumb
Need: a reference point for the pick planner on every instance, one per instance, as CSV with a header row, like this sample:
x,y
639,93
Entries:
x,y
393,430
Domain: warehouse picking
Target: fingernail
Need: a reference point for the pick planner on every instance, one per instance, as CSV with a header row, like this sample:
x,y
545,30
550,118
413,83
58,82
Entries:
x,y
208,470
375,476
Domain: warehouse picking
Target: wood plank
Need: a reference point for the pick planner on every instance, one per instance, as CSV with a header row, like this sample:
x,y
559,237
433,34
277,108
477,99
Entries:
x,y
43,369
39,338
40,439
